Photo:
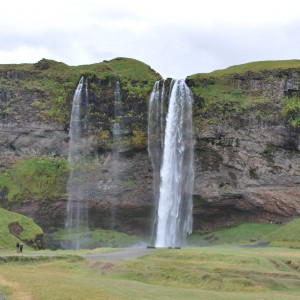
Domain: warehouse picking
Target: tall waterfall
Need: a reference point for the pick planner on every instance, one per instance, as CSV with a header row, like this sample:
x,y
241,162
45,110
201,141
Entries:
x,y
76,208
174,216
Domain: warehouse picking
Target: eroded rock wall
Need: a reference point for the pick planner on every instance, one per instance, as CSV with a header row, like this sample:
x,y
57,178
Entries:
x,y
247,161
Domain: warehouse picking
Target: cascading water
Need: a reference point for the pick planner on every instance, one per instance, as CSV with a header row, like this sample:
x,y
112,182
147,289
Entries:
x,y
76,208
174,220
118,112
156,124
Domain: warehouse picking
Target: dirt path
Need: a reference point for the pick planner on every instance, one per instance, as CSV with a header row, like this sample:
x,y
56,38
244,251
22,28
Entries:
x,y
120,254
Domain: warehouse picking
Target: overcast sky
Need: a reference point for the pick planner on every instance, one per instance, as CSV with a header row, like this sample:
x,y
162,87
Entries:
x,y
176,38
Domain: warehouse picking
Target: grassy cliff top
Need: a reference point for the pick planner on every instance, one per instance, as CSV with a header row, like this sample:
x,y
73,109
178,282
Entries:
x,y
254,67
47,86
120,67
258,85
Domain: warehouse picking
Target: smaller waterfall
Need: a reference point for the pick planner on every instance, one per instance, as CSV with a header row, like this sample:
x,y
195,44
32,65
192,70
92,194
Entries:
x,y
116,129
118,100
177,173
86,106
76,208
115,165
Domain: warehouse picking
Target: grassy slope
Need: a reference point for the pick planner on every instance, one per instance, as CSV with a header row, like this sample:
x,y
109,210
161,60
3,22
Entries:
x,y
191,273
7,240
241,234
287,235
98,238
259,66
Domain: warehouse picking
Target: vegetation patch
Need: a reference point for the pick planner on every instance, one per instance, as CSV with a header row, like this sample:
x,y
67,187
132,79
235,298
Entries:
x,y
229,273
287,235
97,238
49,86
34,178
291,109
29,233
17,259
214,269
242,92
241,234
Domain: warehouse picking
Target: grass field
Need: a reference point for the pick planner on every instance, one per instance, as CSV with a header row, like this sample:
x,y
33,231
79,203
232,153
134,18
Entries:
x,y
187,273
228,265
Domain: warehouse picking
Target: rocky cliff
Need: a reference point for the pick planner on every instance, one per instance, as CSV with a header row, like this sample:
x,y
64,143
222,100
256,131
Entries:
x,y
247,143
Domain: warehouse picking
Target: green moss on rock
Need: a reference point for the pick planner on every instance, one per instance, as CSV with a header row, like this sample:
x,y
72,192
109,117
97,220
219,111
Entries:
x,y
34,178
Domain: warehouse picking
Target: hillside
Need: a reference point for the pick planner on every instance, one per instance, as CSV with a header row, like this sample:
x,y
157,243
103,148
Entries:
x,y
17,228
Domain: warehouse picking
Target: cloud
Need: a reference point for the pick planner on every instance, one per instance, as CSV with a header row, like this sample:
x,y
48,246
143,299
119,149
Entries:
x,y
175,38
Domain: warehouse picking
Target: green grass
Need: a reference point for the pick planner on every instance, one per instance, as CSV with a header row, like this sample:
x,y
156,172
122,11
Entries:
x,y
291,109
133,69
30,229
222,269
241,234
187,273
97,237
258,66
35,178
287,235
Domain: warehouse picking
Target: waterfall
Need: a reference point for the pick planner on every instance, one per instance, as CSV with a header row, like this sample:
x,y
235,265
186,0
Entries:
x,y
118,99
76,208
174,217
156,125
115,165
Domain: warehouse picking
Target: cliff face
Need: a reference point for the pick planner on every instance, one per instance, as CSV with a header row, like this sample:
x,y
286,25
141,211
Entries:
x,y
35,112
247,143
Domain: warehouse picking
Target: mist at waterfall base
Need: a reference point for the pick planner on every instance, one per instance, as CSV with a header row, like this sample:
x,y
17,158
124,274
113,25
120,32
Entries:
x,y
170,147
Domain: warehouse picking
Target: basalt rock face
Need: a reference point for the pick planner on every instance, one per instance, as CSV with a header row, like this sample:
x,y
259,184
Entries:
x,y
247,151
247,159
246,174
